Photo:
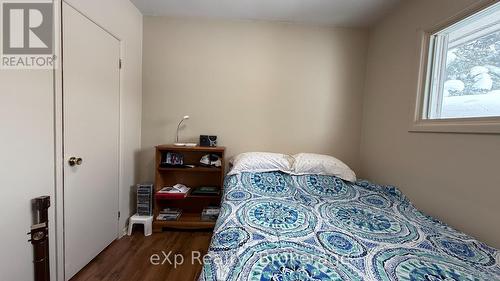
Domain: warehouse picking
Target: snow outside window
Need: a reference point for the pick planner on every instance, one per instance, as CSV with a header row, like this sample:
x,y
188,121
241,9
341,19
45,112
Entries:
x,y
463,74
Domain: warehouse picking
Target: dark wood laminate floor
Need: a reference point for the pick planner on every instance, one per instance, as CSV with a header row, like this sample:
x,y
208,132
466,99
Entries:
x,y
128,259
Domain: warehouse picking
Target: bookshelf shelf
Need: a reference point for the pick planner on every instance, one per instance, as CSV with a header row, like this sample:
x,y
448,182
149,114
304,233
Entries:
x,y
191,170
190,196
186,221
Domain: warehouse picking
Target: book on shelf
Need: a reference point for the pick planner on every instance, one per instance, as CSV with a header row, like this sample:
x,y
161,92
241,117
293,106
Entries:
x,y
172,158
210,214
178,191
169,214
181,166
206,190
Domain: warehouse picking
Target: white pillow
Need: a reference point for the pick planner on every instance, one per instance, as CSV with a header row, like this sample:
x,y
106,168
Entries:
x,y
319,164
261,162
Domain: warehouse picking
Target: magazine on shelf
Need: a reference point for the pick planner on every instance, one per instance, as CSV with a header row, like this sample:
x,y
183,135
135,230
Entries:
x,y
169,214
206,190
177,191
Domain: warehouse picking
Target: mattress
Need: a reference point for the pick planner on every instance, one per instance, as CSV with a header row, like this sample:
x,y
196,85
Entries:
x,y
274,226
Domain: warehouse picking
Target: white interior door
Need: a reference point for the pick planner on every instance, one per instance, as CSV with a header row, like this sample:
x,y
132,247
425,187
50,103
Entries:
x,y
91,132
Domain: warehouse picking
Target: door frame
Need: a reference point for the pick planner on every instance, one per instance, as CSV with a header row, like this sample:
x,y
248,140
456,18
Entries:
x,y
59,161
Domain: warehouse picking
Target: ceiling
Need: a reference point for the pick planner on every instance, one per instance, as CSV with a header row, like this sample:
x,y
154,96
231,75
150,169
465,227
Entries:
x,y
320,12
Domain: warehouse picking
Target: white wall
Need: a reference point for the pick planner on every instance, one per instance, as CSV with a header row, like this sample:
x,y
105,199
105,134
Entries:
x,y
258,86
453,177
26,165
121,18
27,137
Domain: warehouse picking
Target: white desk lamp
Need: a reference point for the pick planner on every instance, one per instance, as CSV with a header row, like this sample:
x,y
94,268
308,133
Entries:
x,y
177,143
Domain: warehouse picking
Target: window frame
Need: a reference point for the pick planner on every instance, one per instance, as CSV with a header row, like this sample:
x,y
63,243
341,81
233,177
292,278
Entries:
x,y
470,125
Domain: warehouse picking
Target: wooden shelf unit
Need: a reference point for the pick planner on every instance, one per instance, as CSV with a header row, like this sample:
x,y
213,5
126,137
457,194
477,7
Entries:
x,y
192,205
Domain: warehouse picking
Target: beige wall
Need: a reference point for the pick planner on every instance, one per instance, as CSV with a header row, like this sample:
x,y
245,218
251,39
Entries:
x,y
454,177
258,86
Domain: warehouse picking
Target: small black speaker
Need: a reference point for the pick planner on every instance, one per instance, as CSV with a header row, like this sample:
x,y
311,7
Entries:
x,y
206,140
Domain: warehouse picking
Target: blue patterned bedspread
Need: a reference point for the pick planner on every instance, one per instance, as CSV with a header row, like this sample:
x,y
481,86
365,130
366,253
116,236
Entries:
x,y
274,226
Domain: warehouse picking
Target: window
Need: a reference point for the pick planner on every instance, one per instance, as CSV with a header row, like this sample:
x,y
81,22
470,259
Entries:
x,y
461,69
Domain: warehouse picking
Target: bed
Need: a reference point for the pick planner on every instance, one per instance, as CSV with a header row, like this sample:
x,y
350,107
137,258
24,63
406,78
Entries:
x,y
276,226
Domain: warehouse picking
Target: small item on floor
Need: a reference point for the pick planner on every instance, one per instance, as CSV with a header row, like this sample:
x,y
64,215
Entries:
x,y
210,214
169,214
206,190
147,221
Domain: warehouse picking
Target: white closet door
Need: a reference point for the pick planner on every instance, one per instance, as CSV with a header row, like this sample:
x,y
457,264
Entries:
x,y
91,132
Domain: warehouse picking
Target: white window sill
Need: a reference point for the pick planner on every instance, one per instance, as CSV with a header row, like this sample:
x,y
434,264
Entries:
x,y
486,125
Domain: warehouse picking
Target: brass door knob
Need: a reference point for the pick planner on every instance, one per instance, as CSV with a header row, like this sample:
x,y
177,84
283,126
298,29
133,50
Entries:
x,y
75,161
